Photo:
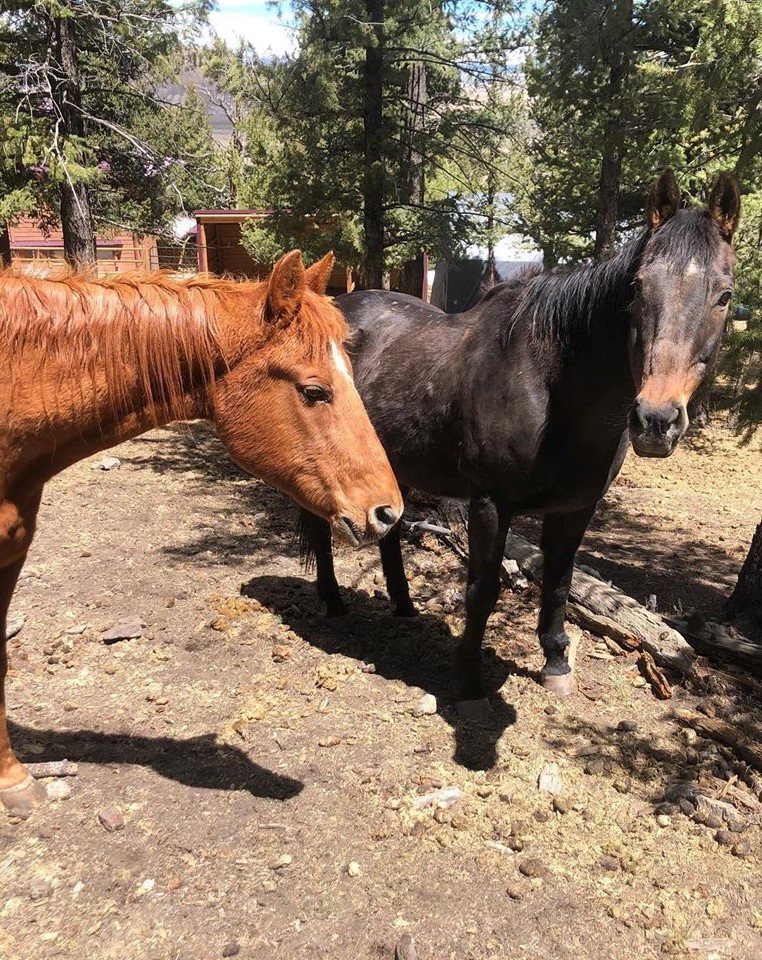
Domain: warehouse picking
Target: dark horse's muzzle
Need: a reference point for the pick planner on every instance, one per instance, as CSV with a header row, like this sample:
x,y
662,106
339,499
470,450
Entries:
x,y
656,430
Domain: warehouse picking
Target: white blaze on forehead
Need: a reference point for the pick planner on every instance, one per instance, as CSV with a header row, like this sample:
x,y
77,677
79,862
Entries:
x,y
339,361
692,269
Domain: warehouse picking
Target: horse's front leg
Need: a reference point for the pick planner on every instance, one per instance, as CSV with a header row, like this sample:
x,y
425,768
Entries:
x,y
317,533
20,793
487,529
561,536
394,570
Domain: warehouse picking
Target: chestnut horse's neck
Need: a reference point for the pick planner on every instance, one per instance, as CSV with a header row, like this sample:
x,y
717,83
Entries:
x,y
88,363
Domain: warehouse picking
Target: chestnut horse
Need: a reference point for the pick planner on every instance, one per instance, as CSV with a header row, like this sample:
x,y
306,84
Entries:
x,y
89,363
527,402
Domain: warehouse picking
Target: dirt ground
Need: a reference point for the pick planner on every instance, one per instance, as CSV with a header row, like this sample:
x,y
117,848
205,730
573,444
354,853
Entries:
x,y
273,775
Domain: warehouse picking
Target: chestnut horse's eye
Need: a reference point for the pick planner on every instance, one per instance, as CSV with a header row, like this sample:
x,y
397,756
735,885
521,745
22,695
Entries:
x,y
724,299
313,393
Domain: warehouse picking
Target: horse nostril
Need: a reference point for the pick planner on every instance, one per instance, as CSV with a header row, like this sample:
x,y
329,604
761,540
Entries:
x,y
385,515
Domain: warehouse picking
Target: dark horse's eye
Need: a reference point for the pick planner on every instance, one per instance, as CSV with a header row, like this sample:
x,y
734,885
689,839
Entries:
x,y
724,299
313,393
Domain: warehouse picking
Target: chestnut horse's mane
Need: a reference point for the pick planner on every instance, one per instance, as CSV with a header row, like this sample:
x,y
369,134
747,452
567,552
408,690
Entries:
x,y
149,325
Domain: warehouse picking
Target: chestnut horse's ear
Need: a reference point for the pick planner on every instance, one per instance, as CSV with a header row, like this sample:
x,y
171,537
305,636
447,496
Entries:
x,y
318,275
725,204
663,200
285,290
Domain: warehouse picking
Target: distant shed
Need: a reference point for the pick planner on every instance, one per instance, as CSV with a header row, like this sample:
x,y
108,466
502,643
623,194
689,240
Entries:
x,y
220,250
41,248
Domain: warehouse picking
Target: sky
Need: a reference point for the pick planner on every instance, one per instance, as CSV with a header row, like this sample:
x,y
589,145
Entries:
x,y
254,20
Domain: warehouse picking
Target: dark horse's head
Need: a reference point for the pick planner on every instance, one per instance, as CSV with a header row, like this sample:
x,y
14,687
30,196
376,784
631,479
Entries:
x,y
682,290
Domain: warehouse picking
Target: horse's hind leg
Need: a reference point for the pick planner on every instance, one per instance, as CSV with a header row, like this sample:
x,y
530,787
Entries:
x,y
318,535
20,793
394,574
561,536
487,530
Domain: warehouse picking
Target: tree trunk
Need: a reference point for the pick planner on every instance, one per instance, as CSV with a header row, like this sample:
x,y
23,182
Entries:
x,y
76,217
373,181
411,275
747,596
608,191
616,43
5,245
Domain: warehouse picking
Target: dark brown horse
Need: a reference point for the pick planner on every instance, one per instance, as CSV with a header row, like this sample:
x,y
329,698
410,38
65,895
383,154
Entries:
x,y
526,403
88,363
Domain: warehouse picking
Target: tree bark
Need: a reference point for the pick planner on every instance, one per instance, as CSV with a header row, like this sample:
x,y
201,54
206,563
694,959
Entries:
x,y
616,42
747,595
411,274
373,115
76,216
5,245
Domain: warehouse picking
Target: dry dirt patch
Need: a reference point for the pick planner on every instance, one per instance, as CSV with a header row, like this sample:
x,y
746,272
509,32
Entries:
x,y
256,751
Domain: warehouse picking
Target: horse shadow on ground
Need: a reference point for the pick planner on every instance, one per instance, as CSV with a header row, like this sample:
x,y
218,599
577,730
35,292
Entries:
x,y
418,652
201,762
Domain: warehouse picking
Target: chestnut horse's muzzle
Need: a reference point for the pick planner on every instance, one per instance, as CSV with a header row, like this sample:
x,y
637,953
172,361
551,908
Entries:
x,y
656,430
379,521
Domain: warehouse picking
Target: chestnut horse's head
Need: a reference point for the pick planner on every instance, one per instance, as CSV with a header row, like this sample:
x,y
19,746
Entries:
x,y
287,408
682,291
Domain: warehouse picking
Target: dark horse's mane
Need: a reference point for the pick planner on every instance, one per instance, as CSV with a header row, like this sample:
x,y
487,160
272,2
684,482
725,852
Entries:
x,y
560,305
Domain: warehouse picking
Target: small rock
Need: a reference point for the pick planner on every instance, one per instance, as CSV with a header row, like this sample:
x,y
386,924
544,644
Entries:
x,y
550,710
562,804
108,463
283,861
281,652
405,949
516,891
446,797
111,819
155,691
353,868
663,819
595,767
367,668
609,863
58,790
639,682
711,821
231,949
627,726
741,849
14,626
689,735
40,888
533,868
542,816
76,630
128,629
332,741
426,706
686,807
725,838
485,791
736,826
550,780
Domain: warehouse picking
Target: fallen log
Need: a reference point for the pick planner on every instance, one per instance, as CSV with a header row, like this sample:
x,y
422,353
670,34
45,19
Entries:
x,y
603,604
723,733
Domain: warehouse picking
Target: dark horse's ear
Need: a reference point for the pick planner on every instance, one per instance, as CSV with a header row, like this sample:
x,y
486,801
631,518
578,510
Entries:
x,y
663,200
725,204
285,289
318,275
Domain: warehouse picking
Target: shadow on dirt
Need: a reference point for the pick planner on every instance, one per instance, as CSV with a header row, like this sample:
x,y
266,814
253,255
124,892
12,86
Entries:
x,y
200,762
418,652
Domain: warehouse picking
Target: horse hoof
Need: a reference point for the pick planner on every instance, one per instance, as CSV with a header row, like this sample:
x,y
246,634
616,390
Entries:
x,y
563,684
335,611
21,800
405,611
